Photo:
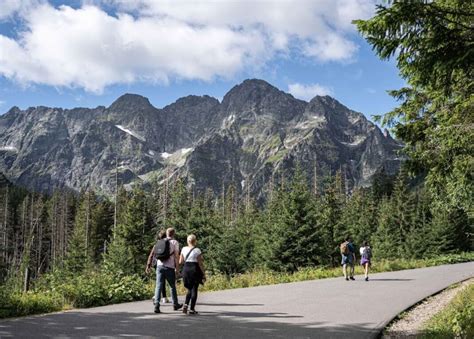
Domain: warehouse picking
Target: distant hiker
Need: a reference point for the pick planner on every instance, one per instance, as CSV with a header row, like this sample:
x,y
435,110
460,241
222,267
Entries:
x,y
348,257
365,258
166,253
193,272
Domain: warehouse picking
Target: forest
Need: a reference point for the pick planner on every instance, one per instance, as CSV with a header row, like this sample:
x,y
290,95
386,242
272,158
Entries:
x,y
301,225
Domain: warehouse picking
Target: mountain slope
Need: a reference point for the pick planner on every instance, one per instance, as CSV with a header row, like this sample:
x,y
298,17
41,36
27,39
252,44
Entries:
x,y
256,132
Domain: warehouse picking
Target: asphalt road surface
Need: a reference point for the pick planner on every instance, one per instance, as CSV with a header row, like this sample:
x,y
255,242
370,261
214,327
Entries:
x,y
328,308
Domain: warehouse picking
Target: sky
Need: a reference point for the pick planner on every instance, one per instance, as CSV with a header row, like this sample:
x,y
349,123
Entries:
x,y
86,53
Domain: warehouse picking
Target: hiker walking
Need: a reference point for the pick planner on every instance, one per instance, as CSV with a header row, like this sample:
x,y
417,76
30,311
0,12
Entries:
x,y
161,235
365,258
193,272
348,257
166,253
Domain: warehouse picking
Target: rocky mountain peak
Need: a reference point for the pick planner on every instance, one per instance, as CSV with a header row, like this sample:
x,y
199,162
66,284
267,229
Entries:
x,y
194,100
131,102
258,97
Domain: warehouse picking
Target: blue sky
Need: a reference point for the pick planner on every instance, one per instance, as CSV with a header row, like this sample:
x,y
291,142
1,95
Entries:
x,y
88,52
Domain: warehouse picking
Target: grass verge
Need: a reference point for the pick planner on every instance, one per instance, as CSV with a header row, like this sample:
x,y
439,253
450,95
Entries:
x,y
456,320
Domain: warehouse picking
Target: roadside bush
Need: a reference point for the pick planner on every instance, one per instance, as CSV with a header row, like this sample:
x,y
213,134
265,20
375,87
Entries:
x,y
13,304
456,320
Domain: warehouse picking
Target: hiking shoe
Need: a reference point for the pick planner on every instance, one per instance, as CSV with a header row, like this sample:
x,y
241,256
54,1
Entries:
x,y
185,309
157,309
352,278
347,279
177,307
366,278
193,312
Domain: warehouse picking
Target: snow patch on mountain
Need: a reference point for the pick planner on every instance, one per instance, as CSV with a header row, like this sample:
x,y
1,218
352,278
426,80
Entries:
x,y
132,133
9,149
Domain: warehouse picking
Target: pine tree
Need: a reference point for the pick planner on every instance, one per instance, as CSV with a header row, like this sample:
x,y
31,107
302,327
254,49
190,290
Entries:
x,y
386,242
332,230
450,229
404,207
292,240
133,237
420,240
359,216
80,251
178,210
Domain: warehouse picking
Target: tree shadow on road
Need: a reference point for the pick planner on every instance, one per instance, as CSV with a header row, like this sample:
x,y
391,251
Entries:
x,y
251,314
176,325
390,279
227,304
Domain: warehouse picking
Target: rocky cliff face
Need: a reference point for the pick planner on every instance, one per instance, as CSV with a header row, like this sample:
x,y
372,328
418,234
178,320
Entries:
x,y
256,132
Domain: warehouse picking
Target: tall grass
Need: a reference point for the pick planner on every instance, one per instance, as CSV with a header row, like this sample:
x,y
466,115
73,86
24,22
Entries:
x,y
456,320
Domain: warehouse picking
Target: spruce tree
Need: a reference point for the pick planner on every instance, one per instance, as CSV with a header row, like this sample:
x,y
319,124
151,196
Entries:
x,y
132,239
81,250
332,230
386,242
420,240
359,216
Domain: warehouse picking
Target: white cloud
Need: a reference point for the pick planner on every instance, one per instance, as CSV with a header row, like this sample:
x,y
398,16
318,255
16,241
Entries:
x,y
2,102
309,91
165,40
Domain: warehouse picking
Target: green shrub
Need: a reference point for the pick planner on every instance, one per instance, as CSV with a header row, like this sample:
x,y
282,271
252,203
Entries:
x,y
128,288
456,320
13,304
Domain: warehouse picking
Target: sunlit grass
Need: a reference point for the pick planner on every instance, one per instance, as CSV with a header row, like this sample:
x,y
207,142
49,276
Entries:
x,y
456,320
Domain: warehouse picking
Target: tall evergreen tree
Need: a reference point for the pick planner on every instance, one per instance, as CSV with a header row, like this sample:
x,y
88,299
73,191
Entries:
x,y
432,44
81,251
359,215
332,230
133,237
386,241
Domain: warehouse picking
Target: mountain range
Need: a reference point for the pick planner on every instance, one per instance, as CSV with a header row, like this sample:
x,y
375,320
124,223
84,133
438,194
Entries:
x,y
255,133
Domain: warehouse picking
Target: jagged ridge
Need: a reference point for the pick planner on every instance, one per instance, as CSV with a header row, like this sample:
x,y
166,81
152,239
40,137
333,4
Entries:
x,y
256,132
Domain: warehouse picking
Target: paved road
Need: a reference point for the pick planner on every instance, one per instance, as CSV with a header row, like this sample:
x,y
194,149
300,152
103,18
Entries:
x,y
328,308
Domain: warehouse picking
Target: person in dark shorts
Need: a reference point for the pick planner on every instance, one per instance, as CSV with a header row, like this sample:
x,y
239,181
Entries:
x,y
348,258
193,273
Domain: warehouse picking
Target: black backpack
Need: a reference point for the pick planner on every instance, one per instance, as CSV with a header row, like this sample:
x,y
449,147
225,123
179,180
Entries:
x,y
162,249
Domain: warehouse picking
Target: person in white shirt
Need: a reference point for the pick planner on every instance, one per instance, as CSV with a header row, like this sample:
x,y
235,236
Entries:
x,y
193,272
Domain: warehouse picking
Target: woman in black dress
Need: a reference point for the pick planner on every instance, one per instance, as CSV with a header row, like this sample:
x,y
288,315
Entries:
x,y
193,272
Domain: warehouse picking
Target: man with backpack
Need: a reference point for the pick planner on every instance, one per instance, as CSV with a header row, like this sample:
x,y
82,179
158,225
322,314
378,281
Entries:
x,y
166,253
348,257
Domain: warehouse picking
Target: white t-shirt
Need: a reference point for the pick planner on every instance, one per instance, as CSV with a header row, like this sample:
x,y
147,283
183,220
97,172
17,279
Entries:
x,y
193,256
